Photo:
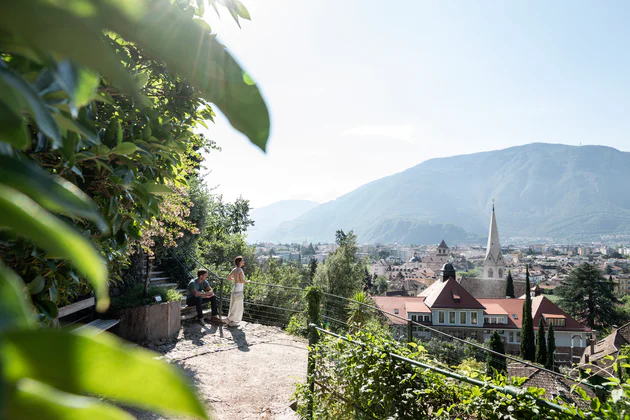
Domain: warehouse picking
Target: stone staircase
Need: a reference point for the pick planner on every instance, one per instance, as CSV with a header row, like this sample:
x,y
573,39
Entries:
x,y
160,279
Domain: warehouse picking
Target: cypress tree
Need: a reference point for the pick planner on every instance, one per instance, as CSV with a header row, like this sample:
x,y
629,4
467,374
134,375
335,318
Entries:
x,y
528,344
509,286
496,364
541,345
551,348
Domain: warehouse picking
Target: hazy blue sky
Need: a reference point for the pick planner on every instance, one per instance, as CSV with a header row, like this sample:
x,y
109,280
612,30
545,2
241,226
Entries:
x,y
362,89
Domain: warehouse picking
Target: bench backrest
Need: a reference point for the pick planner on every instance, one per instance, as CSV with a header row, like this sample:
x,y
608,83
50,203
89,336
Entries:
x,y
75,307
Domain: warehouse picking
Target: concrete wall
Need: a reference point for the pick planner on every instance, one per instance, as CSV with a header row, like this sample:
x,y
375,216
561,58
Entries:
x,y
150,322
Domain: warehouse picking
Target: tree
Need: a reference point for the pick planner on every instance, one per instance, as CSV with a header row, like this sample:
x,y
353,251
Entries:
x,y
509,286
312,270
528,345
609,269
541,345
381,285
359,310
551,349
309,250
588,297
341,274
496,364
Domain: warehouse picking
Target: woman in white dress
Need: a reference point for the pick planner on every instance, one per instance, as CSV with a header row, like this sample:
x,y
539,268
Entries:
x,y
236,302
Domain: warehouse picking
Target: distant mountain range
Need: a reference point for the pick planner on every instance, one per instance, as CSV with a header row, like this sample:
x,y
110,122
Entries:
x,y
266,219
564,193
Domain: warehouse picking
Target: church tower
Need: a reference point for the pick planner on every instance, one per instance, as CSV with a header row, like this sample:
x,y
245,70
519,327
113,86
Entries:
x,y
493,265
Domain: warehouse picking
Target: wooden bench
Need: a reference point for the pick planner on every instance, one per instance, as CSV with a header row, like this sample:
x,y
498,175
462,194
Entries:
x,y
99,325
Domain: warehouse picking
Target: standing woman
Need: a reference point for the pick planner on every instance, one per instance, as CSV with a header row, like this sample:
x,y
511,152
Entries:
x,y
236,302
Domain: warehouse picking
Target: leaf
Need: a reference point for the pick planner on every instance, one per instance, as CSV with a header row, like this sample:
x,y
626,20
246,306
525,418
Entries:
x,y
206,64
15,309
38,108
157,189
80,83
66,122
25,217
126,148
51,28
52,192
47,307
36,285
242,10
35,400
78,363
12,128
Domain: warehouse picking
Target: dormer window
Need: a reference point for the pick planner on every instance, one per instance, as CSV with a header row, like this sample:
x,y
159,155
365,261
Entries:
x,y
396,311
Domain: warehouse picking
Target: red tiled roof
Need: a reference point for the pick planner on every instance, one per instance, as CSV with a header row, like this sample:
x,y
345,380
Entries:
x,y
494,309
417,305
442,296
541,305
391,304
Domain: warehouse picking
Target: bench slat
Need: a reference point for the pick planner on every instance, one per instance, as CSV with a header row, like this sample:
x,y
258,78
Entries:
x,y
75,307
101,324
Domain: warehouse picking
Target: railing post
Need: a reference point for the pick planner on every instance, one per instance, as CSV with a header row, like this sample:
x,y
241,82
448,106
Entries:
x,y
147,278
221,298
313,299
409,331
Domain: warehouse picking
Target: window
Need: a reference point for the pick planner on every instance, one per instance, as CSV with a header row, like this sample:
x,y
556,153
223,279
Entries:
x,y
451,317
490,273
473,318
396,311
559,322
462,317
441,317
486,319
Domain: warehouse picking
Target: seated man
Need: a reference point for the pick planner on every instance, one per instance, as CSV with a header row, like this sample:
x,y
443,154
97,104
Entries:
x,y
200,292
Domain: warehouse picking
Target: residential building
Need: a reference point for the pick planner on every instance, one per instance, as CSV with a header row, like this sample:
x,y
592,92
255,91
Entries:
x,y
595,355
447,306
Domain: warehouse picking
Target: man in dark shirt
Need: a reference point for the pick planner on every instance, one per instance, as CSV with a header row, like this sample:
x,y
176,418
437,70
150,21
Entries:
x,y
200,292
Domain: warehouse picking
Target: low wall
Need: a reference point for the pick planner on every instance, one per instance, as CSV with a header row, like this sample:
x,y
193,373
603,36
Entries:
x,y
150,322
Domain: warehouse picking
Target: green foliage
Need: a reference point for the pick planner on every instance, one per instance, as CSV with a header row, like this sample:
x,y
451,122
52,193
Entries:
x,y
97,116
298,325
359,310
134,297
551,349
381,285
528,345
359,380
509,286
341,274
496,365
588,297
541,344
475,272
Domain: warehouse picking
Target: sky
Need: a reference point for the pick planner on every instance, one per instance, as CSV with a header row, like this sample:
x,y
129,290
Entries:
x,y
359,90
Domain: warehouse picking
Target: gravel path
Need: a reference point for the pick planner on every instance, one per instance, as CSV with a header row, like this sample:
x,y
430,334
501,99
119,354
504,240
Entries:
x,y
246,373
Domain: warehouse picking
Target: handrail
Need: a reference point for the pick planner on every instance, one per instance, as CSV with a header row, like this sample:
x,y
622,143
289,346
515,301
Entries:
x,y
514,391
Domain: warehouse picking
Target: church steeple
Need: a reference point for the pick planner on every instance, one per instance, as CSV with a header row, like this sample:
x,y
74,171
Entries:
x,y
493,265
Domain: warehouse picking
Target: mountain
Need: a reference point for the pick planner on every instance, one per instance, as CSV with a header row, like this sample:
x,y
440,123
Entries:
x,y
553,191
266,219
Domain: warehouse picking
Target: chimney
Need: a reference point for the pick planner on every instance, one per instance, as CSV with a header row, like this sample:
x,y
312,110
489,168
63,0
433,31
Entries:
x,y
593,340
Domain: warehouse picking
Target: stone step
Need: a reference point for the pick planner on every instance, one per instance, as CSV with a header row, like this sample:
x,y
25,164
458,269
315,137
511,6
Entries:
x,y
159,278
191,312
157,273
167,285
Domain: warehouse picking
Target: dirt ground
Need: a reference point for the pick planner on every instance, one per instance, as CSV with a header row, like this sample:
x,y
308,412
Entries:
x,y
246,373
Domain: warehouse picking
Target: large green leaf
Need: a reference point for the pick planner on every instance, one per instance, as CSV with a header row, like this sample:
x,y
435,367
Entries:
x,y
99,365
157,189
190,51
52,192
38,108
27,218
12,128
126,148
68,33
15,309
80,83
35,400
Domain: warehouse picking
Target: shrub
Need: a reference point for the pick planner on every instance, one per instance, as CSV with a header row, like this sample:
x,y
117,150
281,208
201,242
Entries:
x,y
134,297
